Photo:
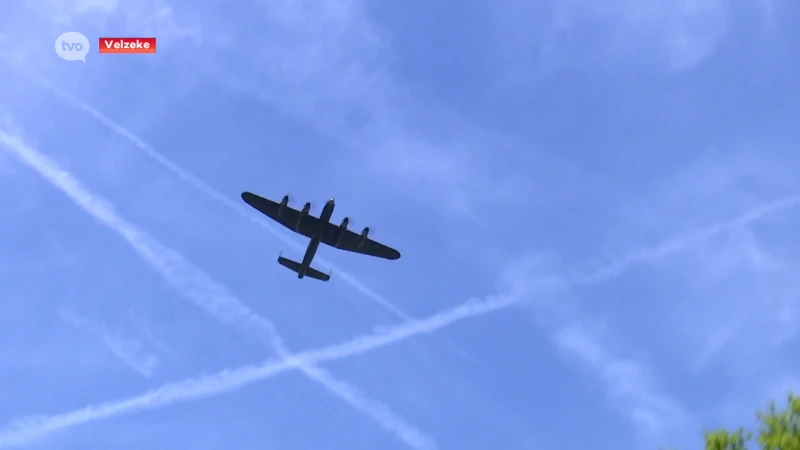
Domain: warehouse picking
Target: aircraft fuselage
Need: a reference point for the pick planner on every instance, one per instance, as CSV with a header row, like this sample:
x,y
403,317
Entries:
x,y
313,245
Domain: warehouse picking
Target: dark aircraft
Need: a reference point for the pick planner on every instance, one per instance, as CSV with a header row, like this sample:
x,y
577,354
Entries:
x,y
319,230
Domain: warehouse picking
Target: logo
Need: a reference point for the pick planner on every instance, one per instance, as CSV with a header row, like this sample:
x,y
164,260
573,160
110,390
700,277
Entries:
x,y
72,46
127,45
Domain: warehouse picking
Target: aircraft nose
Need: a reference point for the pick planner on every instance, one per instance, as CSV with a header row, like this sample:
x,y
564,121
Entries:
x,y
331,201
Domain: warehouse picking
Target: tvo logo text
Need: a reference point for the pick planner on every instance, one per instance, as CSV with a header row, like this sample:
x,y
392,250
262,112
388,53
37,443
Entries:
x,y
72,46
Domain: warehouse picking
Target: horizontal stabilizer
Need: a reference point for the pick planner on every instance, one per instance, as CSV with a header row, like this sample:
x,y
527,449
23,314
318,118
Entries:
x,y
295,266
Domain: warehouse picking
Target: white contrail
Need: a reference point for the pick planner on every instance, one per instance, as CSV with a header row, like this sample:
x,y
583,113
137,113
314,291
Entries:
x,y
203,290
236,206
683,242
31,428
602,274
28,429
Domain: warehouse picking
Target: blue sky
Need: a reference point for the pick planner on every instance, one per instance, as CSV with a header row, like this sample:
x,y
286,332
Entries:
x,y
594,200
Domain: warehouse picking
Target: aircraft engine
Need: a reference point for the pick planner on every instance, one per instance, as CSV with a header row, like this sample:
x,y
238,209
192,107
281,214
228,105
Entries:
x,y
364,234
283,204
342,231
303,213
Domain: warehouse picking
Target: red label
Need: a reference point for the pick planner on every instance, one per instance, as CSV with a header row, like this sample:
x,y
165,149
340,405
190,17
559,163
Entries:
x,y
127,45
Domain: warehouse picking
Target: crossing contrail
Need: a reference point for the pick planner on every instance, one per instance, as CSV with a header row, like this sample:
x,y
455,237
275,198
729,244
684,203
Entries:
x,y
199,287
226,201
32,428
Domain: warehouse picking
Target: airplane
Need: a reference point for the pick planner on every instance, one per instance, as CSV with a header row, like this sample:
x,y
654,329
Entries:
x,y
319,230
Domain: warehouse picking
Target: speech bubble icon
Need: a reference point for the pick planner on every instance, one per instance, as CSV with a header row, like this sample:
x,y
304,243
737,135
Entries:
x,y
72,46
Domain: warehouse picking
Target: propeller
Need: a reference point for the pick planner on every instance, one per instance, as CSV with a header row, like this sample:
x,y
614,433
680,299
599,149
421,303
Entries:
x,y
313,204
300,206
353,226
289,198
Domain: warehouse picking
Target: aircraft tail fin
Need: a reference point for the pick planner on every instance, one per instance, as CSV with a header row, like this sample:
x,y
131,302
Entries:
x,y
311,272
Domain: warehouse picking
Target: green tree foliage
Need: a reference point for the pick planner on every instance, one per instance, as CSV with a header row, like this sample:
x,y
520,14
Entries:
x,y
778,429
727,440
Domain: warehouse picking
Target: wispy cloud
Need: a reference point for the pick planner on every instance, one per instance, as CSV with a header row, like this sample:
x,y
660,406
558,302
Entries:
x,y
683,242
326,64
28,429
147,331
749,288
235,206
203,290
602,274
628,385
632,387
128,350
643,35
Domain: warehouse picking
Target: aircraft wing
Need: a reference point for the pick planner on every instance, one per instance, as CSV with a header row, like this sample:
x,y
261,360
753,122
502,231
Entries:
x,y
286,216
352,242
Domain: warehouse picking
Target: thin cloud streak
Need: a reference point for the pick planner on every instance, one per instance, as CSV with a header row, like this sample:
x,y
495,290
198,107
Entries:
x,y
150,335
681,243
626,381
236,206
28,429
127,350
602,274
204,291
605,273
